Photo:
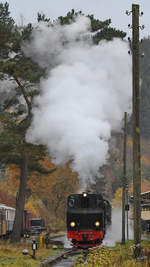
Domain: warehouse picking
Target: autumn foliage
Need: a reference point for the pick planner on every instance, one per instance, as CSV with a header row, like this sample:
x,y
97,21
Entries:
x,y
46,193
145,186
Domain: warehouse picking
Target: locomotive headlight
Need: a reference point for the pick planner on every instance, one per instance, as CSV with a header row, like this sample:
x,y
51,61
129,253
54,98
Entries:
x,y
72,224
84,194
97,223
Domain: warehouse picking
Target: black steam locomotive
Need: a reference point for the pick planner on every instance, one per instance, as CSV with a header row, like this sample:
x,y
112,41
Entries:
x,y
88,216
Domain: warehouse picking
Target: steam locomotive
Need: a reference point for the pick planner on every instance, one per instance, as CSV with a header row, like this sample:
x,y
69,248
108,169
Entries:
x,y
88,216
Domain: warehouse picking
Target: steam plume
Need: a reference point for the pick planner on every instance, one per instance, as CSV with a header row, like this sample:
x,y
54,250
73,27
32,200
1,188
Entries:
x,y
84,96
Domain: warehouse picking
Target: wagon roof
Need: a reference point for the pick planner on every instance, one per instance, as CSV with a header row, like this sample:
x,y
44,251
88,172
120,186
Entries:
x,y
3,206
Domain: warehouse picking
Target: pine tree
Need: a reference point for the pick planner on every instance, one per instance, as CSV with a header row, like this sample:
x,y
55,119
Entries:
x,y
102,29
13,146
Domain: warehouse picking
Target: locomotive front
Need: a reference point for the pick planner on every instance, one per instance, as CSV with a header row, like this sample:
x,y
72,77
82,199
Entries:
x,y
86,219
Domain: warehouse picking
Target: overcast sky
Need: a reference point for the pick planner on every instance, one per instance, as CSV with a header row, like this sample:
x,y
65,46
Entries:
x,y
26,10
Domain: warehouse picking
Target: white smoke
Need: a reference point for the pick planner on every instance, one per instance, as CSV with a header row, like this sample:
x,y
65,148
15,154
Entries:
x,y
7,85
114,232
83,98
7,89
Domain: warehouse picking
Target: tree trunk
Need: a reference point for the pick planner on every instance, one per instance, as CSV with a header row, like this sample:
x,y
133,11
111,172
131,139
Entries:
x,y
20,201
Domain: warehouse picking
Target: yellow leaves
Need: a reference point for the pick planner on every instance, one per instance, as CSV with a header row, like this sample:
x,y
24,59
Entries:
x,y
47,164
32,208
117,200
12,173
109,257
137,130
102,257
145,160
12,170
6,196
51,188
145,186
130,142
118,194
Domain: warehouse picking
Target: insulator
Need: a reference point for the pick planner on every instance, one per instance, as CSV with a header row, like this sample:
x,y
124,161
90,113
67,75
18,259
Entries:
x,y
142,55
142,27
129,26
128,12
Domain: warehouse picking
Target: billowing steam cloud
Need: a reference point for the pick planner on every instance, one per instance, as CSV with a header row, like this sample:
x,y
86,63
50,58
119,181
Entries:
x,y
83,98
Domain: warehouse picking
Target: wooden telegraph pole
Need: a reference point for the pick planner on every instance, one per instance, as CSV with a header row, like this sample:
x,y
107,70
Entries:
x,y
127,209
124,180
136,130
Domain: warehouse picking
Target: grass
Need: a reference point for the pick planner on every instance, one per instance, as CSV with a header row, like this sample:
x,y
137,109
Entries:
x,y
120,255
11,255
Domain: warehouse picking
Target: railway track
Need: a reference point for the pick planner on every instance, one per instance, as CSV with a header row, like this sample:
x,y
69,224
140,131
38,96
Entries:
x,y
65,259
68,258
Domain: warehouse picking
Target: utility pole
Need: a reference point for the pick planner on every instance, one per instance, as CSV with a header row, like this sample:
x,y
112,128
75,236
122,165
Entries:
x,y
136,130
124,182
127,209
136,127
